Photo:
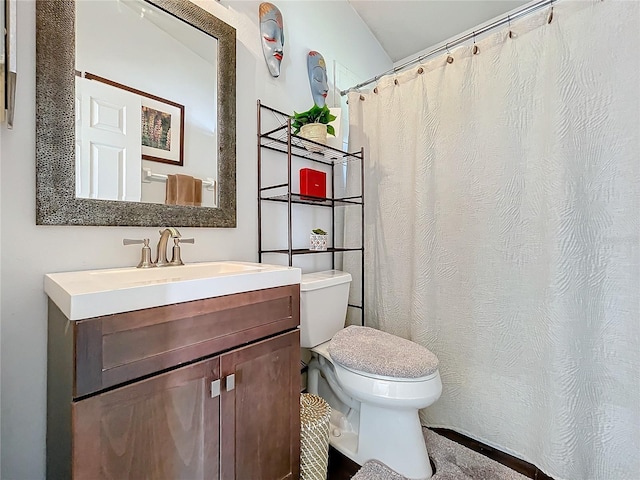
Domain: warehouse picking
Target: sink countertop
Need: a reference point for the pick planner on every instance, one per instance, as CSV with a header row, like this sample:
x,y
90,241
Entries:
x,y
93,293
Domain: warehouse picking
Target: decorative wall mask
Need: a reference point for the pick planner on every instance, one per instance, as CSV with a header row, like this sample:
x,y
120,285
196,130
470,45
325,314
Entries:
x,y
317,69
272,32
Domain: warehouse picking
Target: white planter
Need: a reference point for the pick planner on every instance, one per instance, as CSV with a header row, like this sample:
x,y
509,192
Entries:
x,y
318,242
316,132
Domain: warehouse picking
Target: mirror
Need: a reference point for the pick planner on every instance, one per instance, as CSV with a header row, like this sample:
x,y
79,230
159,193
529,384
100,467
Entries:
x,y
59,174
146,101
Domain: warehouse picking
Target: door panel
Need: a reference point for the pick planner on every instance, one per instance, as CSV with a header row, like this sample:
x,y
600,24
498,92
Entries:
x,y
262,411
164,427
108,142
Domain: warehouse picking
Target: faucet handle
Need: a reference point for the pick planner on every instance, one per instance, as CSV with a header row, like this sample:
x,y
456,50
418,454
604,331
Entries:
x,y
145,259
131,241
175,257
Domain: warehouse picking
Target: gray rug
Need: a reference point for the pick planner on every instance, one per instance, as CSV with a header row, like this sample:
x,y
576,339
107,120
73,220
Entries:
x,y
452,460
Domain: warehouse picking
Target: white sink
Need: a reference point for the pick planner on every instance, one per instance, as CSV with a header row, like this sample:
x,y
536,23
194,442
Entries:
x,y
137,276
93,293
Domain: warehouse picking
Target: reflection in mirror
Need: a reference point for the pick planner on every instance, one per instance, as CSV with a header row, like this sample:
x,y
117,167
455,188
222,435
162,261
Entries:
x,y
147,101
163,115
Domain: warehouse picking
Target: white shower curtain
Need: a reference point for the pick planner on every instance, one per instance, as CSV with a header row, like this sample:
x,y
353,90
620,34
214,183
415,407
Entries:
x,y
502,232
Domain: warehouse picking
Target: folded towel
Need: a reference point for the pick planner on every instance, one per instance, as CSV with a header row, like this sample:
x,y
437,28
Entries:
x,y
185,189
172,190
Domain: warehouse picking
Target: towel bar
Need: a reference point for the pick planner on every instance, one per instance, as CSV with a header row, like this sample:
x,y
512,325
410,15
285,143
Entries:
x,y
148,176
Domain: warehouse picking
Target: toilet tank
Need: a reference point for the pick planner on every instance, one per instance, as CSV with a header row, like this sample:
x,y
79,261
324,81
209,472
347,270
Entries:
x,y
323,305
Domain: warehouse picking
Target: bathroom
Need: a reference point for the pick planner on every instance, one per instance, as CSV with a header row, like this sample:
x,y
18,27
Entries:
x,y
30,251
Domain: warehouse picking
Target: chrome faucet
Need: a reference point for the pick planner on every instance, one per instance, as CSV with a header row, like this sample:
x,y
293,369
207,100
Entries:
x,y
165,235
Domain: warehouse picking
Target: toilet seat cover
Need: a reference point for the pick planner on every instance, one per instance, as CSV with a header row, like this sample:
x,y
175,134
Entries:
x,y
368,350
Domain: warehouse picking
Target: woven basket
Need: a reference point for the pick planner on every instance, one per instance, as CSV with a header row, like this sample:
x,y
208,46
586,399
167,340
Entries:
x,y
314,437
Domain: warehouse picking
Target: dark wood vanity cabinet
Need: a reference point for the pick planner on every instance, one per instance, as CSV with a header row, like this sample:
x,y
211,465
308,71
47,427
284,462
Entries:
x,y
264,424
166,426
200,390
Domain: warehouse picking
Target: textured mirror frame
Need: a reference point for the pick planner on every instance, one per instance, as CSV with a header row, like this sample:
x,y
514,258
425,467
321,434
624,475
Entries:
x,y
56,203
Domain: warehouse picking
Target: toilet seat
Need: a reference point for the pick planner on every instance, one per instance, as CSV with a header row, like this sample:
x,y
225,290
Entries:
x,y
384,390
388,378
379,354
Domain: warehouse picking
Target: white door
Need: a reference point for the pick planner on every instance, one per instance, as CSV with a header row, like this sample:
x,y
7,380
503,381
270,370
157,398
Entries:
x,y
108,142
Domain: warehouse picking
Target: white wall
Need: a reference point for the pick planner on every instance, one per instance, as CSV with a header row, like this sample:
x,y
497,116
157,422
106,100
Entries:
x,y
30,251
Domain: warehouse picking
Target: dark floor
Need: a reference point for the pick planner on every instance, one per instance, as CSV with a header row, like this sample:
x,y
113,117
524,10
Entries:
x,y
340,467
343,468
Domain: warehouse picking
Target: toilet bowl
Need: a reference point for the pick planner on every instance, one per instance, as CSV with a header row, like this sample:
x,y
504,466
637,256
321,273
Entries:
x,y
389,391
374,381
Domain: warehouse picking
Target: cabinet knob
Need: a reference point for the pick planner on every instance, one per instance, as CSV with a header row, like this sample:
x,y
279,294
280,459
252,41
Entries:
x,y
230,382
215,388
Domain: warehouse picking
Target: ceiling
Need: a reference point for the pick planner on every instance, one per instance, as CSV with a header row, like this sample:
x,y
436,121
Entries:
x,y
406,27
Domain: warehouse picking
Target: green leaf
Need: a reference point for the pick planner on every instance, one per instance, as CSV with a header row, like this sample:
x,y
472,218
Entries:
x,y
331,130
315,114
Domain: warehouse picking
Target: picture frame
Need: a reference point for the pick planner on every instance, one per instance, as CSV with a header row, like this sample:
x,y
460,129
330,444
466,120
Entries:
x,y
9,55
162,132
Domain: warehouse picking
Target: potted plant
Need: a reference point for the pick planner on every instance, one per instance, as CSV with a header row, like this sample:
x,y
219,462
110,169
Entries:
x,y
313,125
318,239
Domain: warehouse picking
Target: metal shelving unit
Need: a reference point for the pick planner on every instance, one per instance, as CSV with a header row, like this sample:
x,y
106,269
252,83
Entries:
x,y
275,135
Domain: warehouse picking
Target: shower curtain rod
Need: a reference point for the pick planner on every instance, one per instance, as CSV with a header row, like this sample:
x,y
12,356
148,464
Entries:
x,y
457,41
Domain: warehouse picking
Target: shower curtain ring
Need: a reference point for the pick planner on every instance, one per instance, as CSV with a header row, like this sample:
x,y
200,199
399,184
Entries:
x,y
449,57
510,31
475,50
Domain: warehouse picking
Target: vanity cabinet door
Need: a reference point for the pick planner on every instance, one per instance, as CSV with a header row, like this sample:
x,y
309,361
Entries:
x,y
163,427
260,410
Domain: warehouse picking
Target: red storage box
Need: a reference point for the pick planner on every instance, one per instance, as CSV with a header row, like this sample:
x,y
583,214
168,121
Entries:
x,y
313,183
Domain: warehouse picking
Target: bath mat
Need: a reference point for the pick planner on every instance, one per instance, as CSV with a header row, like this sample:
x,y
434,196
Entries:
x,y
374,470
452,460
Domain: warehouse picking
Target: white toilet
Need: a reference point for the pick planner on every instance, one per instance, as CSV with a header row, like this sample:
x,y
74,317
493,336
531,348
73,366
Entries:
x,y
375,382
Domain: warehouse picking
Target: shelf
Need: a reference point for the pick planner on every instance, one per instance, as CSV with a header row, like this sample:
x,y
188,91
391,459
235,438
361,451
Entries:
x,y
276,139
328,155
316,201
306,251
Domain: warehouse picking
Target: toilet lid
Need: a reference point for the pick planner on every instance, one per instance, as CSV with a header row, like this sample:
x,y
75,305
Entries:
x,y
372,351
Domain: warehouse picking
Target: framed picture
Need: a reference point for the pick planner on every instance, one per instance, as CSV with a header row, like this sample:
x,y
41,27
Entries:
x,y
8,55
162,134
